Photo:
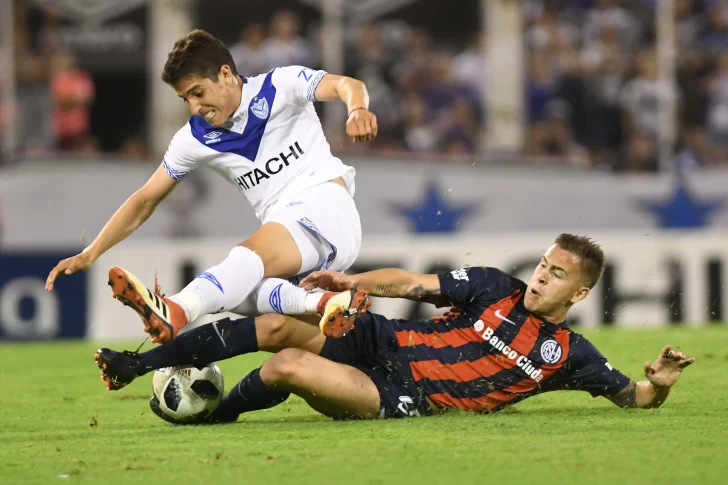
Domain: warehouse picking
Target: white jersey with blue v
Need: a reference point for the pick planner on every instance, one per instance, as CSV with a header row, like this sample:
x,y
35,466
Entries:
x,y
272,148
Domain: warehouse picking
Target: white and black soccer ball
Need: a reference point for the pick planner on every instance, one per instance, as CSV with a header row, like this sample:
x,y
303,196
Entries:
x,y
187,393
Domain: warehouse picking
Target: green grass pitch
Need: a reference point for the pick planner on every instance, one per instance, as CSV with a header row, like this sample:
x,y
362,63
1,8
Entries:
x,y
59,425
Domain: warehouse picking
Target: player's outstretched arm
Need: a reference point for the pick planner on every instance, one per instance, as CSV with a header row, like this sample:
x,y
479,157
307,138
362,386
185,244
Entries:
x,y
361,124
390,283
124,222
661,376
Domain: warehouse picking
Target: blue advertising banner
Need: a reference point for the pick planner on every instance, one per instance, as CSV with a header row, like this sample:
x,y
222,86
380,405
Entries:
x,y
28,311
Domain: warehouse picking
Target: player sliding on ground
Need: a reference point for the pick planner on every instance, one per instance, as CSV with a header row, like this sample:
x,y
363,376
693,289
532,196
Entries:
x,y
505,342
263,135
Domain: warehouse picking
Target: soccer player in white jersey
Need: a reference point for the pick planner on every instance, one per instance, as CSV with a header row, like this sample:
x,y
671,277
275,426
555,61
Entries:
x,y
263,135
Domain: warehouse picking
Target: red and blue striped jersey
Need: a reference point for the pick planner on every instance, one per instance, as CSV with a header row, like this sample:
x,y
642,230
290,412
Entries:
x,y
494,353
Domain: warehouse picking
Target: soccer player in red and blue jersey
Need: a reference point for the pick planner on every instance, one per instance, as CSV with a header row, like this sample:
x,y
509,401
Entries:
x,y
507,341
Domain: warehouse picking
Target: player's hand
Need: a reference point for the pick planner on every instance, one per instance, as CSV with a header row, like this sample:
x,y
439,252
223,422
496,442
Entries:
x,y
68,266
327,280
667,368
362,125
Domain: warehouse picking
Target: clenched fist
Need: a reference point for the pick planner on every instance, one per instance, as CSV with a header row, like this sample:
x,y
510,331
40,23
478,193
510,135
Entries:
x,y
361,125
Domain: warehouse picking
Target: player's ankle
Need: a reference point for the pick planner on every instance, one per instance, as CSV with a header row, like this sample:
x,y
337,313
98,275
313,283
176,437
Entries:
x,y
226,411
313,302
189,304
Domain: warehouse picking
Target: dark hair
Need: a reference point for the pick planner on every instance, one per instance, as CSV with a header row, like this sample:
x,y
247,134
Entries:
x,y
591,254
197,54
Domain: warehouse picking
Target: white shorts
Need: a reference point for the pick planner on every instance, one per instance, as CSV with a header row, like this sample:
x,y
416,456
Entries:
x,y
324,222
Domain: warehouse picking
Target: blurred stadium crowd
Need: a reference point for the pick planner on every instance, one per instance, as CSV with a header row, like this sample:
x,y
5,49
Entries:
x,y
591,85
593,90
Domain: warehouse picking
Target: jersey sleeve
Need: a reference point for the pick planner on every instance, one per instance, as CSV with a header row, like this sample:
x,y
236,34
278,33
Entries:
x,y
298,83
468,285
588,370
179,160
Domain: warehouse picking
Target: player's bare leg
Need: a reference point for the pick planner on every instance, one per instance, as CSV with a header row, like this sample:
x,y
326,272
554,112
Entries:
x,y
278,332
276,247
335,390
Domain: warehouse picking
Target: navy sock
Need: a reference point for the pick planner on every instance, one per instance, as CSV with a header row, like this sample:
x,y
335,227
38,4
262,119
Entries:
x,y
250,394
208,343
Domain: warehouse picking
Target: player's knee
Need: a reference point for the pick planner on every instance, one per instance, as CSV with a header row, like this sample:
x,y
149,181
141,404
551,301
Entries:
x,y
277,249
284,367
272,330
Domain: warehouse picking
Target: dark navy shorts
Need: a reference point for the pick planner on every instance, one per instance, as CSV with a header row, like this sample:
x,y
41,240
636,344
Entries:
x,y
372,348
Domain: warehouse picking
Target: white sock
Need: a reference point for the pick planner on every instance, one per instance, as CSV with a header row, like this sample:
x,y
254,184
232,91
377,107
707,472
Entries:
x,y
222,287
312,300
280,296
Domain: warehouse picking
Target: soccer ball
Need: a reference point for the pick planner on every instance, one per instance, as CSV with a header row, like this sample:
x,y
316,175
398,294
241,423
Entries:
x,y
186,393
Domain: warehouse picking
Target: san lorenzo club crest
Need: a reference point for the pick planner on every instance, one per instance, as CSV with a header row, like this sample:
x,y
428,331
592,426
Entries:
x,y
550,351
260,108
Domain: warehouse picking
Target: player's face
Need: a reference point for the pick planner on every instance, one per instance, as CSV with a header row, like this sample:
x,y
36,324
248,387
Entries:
x,y
556,284
215,101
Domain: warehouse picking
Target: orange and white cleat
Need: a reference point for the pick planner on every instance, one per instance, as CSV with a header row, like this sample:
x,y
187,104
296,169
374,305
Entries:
x,y
339,310
162,318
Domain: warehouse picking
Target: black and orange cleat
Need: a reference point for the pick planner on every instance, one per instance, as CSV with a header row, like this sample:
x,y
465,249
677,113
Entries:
x,y
117,368
162,318
339,310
